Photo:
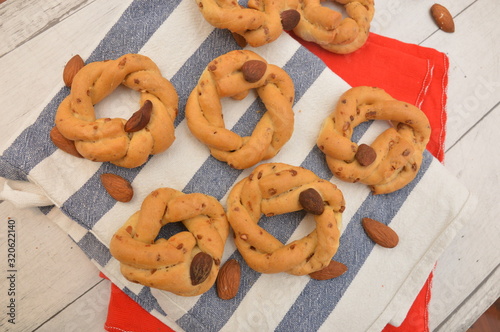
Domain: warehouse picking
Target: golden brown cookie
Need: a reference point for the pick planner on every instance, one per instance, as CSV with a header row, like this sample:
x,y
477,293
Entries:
x,y
393,159
259,24
149,131
263,21
276,188
326,27
188,262
234,75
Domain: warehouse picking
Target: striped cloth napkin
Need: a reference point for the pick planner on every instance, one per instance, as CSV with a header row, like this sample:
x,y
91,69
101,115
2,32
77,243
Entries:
x,y
380,284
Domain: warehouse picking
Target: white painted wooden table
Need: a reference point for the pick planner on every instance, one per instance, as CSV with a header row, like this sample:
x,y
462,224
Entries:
x,y
58,288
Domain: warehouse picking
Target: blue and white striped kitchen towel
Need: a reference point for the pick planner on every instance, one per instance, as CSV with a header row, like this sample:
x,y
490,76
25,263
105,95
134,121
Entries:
x,y
380,284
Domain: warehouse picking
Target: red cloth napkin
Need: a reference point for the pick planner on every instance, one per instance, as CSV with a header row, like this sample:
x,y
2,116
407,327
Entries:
x,y
408,72
124,314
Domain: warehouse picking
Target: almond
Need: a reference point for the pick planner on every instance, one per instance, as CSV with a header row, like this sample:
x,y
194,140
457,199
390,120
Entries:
x,y
117,187
311,201
380,233
253,70
200,268
63,143
365,155
240,40
289,19
443,18
333,270
139,119
72,67
228,280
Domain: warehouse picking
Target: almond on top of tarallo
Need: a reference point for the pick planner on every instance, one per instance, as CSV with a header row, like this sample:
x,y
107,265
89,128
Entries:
x,y
200,268
140,119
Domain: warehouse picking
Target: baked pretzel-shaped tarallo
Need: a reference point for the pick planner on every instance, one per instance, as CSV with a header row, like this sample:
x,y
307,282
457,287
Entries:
x,y
393,158
233,75
277,188
264,21
327,28
188,262
261,23
128,144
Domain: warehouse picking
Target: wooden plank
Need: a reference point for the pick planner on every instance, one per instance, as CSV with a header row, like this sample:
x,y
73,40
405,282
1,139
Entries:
x,y
55,271
474,74
410,21
95,19
473,255
474,306
87,313
50,269
23,19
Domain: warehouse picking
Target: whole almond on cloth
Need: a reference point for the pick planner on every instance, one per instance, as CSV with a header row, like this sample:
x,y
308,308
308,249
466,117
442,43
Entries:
x,y
443,18
380,233
63,143
333,270
228,279
72,67
117,187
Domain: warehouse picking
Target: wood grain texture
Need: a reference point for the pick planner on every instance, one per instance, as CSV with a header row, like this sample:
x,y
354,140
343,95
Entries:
x,y
476,304
51,270
28,19
45,64
470,249
411,21
86,313
489,321
474,74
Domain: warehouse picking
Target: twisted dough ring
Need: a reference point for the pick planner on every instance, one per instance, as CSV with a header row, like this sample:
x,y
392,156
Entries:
x,y
188,262
274,189
257,25
393,159
233,75
326,27
105,139
264,21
